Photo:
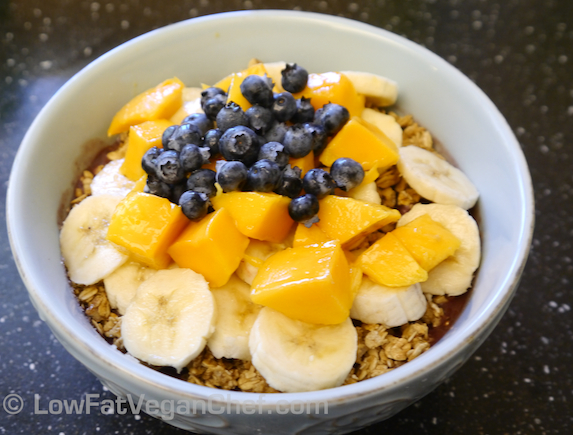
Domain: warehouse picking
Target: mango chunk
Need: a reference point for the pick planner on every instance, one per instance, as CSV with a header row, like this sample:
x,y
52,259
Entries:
x,y
305,163
332,87
362,142
141,137
349,219
258,215
235,93
146,225
160,102
389,263
308,283
304,236
427,240
212,247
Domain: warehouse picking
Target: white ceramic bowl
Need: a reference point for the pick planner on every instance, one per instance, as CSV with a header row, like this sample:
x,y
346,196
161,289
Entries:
x,y
458,114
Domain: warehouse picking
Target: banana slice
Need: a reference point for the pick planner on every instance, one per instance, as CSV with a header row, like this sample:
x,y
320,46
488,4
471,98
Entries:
x,y
295,356
255,255
390,306
191,104
109,181
385,123
367,192
121,285
170,318
236,314
379,91
435,179
87,254
454,275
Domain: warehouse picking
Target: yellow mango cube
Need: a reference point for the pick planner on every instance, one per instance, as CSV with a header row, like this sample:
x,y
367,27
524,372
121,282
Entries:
x,y
332,87
348,219
258,215
141,137
235,93
308,283
305,163
427,240
160,102
212,247
362,142
146,225
389,263
304,236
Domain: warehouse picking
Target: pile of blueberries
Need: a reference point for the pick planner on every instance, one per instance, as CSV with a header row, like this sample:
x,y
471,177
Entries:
x,y
256,146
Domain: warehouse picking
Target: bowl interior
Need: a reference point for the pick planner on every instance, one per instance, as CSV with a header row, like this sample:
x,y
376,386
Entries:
x,y
203,50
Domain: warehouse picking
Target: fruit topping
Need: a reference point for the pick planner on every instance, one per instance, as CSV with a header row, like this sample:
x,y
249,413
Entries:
x,y
257,90
240,143
202,181
318,182
304,209
274,151
260,119
168,167
284,106
346,173
287,284
264,176
294,78
212,247
232,175
298,141
291,183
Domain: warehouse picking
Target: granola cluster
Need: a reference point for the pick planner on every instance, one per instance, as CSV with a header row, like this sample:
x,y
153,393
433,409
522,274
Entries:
x,y
380,349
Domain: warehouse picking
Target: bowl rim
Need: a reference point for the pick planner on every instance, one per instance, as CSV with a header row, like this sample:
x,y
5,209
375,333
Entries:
x,y
480,325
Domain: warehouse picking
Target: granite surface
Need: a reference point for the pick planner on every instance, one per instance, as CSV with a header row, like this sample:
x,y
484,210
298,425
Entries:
x,y
520,52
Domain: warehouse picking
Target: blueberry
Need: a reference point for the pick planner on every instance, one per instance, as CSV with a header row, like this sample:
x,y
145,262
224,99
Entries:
x,y
185,134
211,92
319,137
213,106
284,106
231,176
332,117
258,90
318,182
167,135
194,205
264,176
298,141
277,132
304,111
240,143
193,157
168,167
157,187
347,173
203,181
304,209
177,190
200,120
294,78
259,118
211,140
291,183
149,159
275,152
230,116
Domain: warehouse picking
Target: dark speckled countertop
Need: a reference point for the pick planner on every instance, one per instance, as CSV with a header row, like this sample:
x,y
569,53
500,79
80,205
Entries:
x,y
520,52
